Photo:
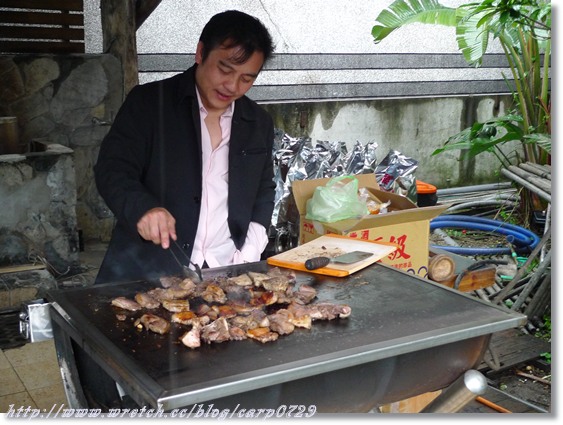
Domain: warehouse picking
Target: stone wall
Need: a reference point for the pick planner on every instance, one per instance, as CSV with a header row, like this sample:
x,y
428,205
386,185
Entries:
x,y
38,216
70,101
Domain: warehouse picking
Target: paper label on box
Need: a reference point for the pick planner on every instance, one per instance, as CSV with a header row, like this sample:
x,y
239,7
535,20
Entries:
x,y
412,239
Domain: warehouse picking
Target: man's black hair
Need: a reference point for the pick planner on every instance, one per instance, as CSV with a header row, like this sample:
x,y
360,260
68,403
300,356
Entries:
x,y
234,28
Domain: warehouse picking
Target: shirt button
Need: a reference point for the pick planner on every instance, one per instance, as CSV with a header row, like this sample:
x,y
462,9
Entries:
x,y
197,199
185,246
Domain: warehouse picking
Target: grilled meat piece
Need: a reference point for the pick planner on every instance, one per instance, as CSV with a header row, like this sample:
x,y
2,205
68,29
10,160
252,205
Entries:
x,y
146,301
188,285
153,323
206,310
288,274
304,294
321,311
332,311
283,297
168,281
192,338
216,331
304,321
254,319
242,308
231,308
281,322
214,293
175,306
126,304
236,294
237,334
225,311
172,293
262,334
242,280
276,283
263,298
257,278
301,317
185,318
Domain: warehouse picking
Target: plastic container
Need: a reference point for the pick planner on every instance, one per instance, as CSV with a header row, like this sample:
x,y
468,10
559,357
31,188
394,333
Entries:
x,y
426,195
9,137
35,321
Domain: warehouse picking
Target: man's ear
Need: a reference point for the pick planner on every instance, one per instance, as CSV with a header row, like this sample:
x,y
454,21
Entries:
x,y
199,53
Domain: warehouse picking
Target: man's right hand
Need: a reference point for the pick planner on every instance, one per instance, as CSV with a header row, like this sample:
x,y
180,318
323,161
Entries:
x,y
158,226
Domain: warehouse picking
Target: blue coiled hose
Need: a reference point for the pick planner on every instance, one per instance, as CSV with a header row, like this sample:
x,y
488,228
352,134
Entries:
x,y
523,240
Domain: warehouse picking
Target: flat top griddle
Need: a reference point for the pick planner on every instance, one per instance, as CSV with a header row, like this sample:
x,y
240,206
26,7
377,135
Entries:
x,y
392,313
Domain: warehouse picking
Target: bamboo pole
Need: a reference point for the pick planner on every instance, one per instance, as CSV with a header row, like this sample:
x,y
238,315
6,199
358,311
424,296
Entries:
x,y
538,273
526,184
532,178
536,169
522,270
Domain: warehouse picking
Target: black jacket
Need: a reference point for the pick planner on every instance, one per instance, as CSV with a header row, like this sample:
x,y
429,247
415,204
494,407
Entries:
x,y
151,157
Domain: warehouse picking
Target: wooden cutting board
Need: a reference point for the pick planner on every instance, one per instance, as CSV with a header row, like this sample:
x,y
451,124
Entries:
x,y
332,246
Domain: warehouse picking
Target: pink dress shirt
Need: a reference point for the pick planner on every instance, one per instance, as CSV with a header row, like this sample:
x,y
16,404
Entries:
x,y
213,243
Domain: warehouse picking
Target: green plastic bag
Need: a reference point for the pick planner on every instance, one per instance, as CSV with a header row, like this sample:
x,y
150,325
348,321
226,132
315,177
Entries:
x,y
338,200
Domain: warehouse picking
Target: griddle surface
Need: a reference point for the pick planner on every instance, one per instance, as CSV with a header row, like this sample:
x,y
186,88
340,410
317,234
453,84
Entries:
x,y
392,313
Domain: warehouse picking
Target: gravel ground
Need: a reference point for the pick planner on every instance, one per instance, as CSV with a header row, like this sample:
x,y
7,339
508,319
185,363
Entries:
x,y
531,388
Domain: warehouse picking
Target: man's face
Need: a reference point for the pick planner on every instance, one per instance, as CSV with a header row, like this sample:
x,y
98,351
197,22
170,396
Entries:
x,y
221,81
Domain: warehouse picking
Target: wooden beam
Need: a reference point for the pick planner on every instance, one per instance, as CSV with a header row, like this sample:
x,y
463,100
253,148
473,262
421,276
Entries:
x,y
144,8
473,280
54,47
41,33
43,4
21,268
41,18
119,38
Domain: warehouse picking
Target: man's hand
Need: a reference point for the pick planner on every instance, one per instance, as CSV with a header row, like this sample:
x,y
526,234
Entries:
x,y
158,226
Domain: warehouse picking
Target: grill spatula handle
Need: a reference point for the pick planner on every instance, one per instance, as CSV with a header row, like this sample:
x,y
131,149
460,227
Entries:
x,y
316,263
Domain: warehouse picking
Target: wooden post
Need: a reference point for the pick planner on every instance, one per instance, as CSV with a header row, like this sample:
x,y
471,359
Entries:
x,y
441,267
144,10
119,38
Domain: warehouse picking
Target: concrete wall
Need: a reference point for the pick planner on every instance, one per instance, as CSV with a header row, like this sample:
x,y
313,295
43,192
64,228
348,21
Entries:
x,y
414,127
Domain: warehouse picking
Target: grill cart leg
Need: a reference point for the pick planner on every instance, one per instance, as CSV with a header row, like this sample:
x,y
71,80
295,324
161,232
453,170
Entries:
x,y
464,389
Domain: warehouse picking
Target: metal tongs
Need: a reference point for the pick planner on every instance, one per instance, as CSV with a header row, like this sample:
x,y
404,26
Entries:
x,y
194,275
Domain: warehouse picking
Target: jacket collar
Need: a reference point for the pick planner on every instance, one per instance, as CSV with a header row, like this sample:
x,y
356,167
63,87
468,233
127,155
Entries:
x,y
243,107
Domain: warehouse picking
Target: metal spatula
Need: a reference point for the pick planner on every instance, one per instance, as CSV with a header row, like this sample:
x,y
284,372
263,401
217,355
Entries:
x,y
194,275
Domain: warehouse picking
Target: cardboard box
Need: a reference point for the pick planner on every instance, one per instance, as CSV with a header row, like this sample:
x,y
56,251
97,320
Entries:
x,y
404,224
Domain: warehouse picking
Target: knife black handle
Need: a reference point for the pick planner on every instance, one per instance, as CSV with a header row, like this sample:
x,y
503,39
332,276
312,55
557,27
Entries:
x,y
316,263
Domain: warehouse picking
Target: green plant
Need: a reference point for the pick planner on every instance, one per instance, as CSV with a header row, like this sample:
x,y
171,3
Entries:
x,y
547,357
488,137
509,215
545,331
453,233
523,29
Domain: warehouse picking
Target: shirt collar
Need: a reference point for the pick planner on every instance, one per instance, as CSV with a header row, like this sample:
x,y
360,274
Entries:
x,y
228,112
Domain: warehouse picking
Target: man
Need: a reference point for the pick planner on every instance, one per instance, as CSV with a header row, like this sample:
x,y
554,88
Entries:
x,y
187,163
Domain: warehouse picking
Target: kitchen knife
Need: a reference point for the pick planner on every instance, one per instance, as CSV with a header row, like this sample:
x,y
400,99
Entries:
x,y
349,258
